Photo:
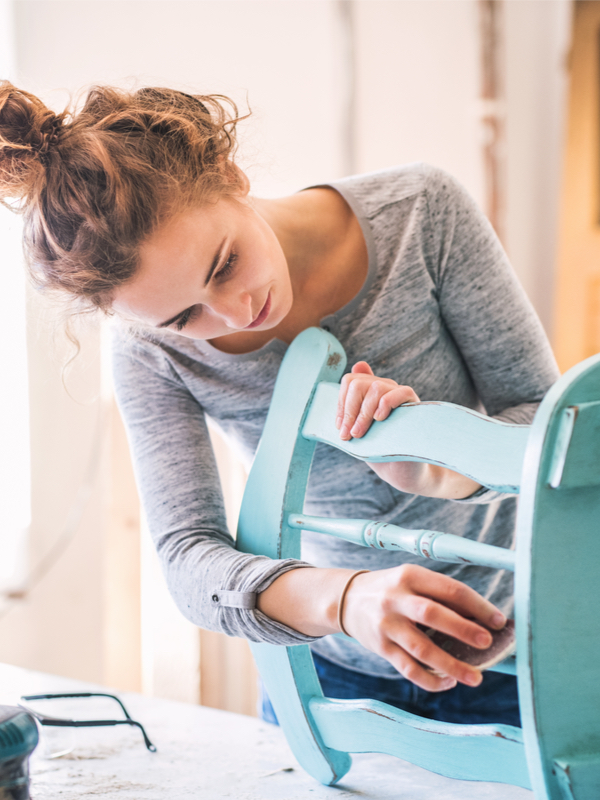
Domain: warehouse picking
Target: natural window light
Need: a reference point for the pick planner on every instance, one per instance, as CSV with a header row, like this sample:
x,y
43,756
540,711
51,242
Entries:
x,y
14,408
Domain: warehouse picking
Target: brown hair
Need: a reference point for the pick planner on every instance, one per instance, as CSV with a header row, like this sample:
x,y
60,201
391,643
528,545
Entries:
x,y
93,185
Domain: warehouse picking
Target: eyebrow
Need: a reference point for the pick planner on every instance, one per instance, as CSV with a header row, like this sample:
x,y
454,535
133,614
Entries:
x,y
213,266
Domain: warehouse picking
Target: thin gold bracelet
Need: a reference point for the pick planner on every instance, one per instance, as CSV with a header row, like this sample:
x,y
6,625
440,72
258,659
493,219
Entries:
x,y
343,597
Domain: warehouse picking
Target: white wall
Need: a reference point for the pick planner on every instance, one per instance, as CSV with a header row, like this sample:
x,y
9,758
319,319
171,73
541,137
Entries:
x,y
14,404
417,86
537,45
278,55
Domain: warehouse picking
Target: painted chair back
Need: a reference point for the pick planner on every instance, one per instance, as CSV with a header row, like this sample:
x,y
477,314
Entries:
x,y
555,465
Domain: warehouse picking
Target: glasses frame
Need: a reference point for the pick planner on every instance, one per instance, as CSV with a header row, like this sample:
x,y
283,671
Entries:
x,y
60,722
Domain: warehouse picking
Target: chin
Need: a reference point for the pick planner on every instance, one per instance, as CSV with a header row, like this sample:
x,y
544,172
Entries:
x,y
287,307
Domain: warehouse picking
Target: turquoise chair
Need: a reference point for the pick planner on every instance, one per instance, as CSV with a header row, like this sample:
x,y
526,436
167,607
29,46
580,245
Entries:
x,y
555,465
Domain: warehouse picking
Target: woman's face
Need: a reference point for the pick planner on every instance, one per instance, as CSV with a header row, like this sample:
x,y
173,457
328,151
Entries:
x,y
209,272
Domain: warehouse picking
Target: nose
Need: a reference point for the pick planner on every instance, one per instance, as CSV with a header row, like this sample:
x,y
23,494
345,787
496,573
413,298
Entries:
x,y
235,310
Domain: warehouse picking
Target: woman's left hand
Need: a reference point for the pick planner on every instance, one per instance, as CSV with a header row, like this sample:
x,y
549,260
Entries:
x,y
365,398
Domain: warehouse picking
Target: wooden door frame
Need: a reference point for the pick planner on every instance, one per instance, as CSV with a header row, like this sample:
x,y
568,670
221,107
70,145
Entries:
x,y
577,329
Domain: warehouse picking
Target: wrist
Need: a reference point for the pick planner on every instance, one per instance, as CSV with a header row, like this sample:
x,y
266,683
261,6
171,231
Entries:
x,y
306,599
342,598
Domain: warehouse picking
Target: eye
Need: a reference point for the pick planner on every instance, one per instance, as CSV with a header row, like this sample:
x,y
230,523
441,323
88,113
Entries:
x,y
227,267
188,316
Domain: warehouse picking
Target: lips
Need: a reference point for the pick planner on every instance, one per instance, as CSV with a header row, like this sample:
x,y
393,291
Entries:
x,y
263,314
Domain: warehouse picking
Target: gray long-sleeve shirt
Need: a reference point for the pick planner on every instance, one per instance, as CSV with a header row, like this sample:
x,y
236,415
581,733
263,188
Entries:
x,y
440,311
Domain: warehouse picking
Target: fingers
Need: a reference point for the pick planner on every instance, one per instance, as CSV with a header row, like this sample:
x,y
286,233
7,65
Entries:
x,y
414,653
364,398
415,672
385,609
361,368
363,406
391,400
439,602
458,601
431,614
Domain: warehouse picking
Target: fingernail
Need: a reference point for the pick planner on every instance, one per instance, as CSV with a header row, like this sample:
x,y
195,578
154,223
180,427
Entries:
x,y
483,639
449,683
498,620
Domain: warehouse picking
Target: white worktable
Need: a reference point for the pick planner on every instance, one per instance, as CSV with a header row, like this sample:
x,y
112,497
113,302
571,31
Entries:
x,y
203,753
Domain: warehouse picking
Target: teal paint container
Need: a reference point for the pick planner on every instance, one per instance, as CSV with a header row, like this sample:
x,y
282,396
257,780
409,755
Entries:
x,y
18,738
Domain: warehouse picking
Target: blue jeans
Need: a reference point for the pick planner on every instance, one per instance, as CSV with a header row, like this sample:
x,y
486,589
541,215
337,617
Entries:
x,y
495,700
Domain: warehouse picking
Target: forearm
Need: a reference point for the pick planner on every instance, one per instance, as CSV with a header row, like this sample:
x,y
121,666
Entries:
x,y
428,480
305,599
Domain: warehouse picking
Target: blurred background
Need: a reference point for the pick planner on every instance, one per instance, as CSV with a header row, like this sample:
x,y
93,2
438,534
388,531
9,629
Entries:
x,y
502,93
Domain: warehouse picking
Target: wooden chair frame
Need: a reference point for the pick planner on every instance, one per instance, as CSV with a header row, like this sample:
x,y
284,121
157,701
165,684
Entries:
x,y
555,464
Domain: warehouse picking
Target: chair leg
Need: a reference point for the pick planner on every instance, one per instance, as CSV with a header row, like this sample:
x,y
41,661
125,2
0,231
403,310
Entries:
x,y
291,682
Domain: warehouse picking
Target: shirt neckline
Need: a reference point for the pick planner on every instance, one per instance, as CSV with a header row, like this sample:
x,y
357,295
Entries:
x,y
278,345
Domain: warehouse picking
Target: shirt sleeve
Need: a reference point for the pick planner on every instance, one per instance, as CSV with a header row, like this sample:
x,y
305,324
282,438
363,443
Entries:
x,y
213,584
485,308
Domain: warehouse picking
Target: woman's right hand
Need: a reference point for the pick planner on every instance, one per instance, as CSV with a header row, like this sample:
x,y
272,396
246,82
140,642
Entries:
x,y
382,609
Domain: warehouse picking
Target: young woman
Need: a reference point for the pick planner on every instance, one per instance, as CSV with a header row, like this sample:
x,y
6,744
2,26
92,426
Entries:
x,y
134,206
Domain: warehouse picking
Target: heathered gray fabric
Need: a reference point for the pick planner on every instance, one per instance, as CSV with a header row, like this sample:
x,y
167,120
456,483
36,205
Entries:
x,y
441,311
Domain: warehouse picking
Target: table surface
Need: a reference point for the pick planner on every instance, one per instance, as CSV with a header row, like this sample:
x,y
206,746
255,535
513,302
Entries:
x,y
204,753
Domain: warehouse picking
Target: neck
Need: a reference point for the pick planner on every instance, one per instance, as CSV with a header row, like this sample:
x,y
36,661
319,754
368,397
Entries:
x,y
309,225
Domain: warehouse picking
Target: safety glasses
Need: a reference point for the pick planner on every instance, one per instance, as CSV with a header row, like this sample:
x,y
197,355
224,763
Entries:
x,y
62,722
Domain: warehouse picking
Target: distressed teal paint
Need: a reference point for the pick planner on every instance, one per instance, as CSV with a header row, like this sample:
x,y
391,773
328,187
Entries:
x,y
557,565
275,487
578,776
564,432
468,752
436,433
508,666
579,463
428,544
557,607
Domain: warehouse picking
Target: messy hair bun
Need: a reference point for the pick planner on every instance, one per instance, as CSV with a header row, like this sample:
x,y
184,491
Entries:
x,y
27,131
93,185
